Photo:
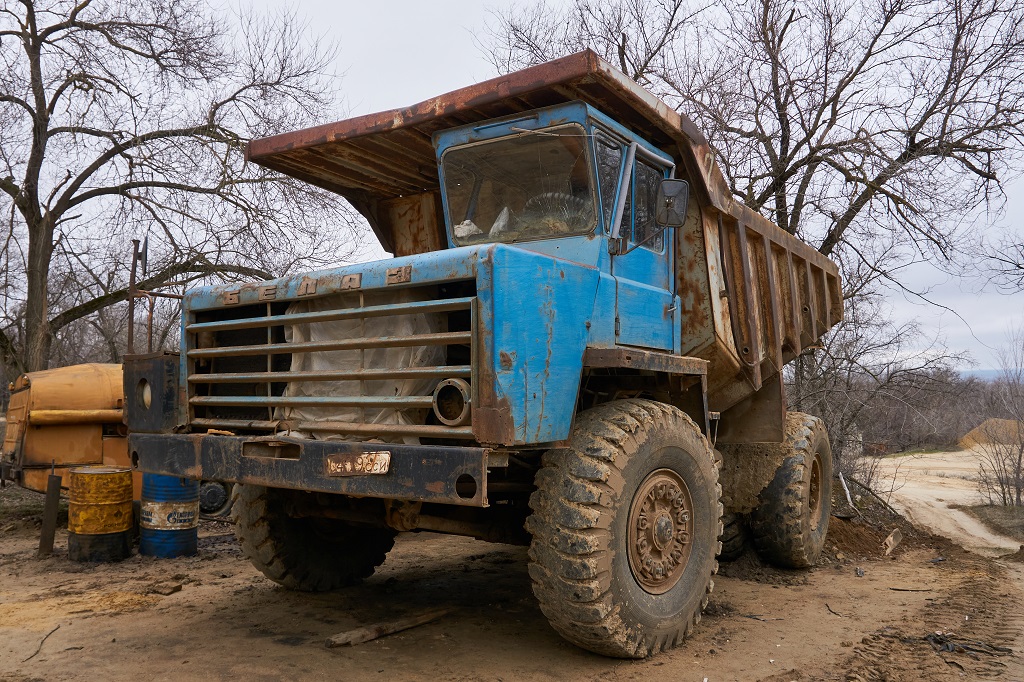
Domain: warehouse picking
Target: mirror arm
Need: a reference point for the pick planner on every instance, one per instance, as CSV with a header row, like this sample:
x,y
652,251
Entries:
x,y
625,175
660,230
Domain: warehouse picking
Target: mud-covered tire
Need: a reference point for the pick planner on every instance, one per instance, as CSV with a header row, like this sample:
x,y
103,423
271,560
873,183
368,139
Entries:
x,y
305,554
584,508
735,537
791,521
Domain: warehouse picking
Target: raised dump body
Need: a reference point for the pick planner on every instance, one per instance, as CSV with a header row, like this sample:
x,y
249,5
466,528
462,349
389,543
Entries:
x,y
576,315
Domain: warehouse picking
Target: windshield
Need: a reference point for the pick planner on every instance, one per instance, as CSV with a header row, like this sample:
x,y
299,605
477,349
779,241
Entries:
x,y
530,186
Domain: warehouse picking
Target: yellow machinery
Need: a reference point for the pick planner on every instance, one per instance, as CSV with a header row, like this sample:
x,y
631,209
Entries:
x,y
66,417
71,417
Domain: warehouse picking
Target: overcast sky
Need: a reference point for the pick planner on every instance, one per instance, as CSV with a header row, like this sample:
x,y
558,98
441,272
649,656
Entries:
x,y
393,54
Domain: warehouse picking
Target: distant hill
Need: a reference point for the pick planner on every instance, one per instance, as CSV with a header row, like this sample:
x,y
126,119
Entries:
x,y
983,374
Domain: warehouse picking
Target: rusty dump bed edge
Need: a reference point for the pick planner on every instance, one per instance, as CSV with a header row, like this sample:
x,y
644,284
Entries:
x,y
380,157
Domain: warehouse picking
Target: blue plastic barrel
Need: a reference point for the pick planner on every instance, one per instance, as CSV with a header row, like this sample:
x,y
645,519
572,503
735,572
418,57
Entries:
x,y
169,520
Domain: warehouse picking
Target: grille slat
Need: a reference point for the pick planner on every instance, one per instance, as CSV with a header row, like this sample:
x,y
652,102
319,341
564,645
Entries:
x,y
398,402
442,306
441,372
351,428
443,339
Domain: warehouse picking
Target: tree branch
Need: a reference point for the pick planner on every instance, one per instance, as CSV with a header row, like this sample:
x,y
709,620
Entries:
x,y
198,267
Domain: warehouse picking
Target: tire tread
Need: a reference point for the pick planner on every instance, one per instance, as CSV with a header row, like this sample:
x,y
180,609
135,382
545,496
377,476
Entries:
x,y
776,525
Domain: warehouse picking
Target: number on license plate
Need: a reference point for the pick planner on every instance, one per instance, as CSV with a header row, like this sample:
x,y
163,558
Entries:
x,y
359,464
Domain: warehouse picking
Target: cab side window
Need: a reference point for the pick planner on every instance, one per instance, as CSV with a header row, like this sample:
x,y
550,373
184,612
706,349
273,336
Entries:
x,y
638,213
646,180
609,161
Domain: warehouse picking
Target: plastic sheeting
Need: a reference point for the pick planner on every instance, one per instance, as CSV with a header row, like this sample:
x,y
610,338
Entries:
x,y
370,358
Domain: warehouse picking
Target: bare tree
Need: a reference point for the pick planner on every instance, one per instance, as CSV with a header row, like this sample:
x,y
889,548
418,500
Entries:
x,y
874,388
850,125
877,131
1001,471
842,122
1006,262
639,36
126,116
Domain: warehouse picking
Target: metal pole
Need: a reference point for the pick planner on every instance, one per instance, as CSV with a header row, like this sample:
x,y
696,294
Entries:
x,y
625,176
131,297
149,325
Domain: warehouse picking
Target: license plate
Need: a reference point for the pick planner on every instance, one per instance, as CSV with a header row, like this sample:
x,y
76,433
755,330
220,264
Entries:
x,y
359,465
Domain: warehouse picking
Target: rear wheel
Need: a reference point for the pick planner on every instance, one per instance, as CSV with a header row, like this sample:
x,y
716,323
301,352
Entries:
x,y
625,527
308,554
734,537
790,524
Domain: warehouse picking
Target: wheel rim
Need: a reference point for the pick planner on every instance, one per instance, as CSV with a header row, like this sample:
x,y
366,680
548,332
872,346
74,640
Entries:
x,y
660,531
814,494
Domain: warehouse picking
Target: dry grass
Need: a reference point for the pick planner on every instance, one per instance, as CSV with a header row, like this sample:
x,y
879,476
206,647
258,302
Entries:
x,y
1008,521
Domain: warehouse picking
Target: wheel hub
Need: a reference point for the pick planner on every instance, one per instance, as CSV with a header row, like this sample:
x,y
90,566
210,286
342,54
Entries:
x,y
814,494
660,530
663,531
213,497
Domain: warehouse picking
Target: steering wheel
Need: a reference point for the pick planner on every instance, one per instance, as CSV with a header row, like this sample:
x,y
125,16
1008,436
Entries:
x,y
552,202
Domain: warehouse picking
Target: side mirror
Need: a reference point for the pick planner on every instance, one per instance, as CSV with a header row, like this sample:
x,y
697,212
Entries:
x,y
673,196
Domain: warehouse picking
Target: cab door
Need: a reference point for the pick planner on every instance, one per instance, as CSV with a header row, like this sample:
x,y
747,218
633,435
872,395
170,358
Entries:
x,y
644,311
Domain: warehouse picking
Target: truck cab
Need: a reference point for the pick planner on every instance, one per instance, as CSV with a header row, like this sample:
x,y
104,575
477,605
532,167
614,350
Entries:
x,y
570,183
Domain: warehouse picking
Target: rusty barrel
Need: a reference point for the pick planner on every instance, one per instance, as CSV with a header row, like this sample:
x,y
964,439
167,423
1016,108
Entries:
x,y
169,524
99,513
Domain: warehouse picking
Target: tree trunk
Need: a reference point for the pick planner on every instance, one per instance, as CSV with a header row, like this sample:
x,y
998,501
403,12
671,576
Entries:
x,y
38,336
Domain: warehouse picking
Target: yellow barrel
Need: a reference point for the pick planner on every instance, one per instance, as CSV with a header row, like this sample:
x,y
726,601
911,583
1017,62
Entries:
x,y
99,513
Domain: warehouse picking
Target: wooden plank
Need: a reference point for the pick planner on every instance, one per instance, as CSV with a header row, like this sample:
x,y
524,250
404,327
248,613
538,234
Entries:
x,y
371,632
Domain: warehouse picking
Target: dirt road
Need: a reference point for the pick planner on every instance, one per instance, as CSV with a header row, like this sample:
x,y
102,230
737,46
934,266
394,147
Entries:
x,y
61,620
924,488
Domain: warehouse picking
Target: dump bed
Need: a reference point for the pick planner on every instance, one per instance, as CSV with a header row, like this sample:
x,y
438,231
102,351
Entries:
x,y
753,295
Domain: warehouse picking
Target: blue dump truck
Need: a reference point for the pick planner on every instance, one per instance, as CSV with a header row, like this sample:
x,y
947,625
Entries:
x,y
578,346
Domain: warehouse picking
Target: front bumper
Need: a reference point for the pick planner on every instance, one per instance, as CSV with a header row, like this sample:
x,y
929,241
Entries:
x,y
425,473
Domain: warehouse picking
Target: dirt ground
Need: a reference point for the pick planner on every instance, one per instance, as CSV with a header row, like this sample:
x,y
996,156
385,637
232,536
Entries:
x,y
929,612
926,487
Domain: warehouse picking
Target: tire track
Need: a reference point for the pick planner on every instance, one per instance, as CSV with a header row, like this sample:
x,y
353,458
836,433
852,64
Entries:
x,y
971,630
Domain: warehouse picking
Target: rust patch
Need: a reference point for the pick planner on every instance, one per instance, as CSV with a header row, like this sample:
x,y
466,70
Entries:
x,y
416,223
635,358
493,426
399,275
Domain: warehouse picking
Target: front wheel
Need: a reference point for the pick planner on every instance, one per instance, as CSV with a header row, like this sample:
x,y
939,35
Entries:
x,y
791,521
304,553
625,527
